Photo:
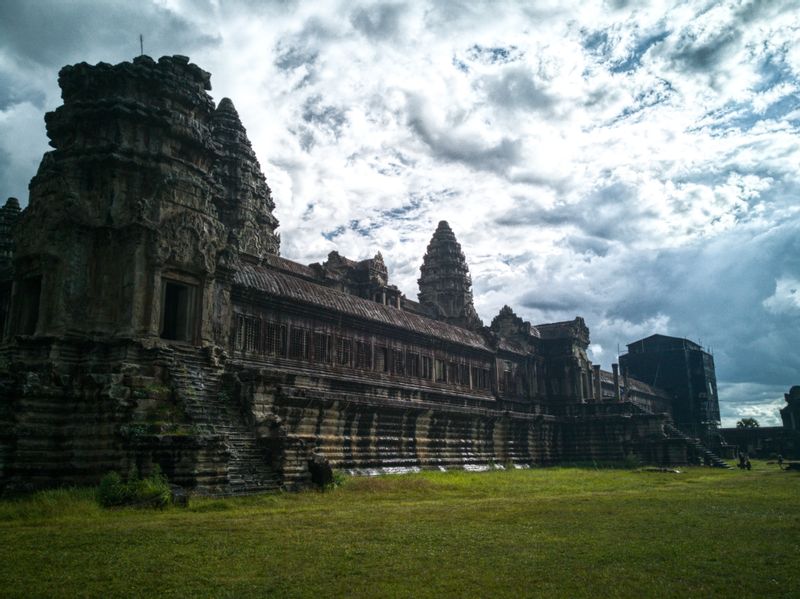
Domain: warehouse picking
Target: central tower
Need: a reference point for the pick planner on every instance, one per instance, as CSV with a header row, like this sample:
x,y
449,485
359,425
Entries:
x,y
445,287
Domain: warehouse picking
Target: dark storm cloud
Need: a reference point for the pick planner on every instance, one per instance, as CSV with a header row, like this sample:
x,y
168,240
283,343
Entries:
x,y
634,59
456,13
291,57
660,91
620,4
602,45
259,6
758,10
588,244
56,33
775,68
305,137
14,90
753,400
595,41
525,216
38,37
611,212
318,120
558,182
693,54
614,211
7,178
494,54
325,117
696,51
515,88
380,21
533,300
469,150
716,293
303,48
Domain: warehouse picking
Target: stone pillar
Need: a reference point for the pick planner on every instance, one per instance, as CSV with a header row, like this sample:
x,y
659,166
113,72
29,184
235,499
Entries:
x,y
574,382
615,370
587,377
155,308
598,387
625,383
205,330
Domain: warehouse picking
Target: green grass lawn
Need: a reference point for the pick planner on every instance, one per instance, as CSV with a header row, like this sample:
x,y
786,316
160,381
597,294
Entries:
x,y
556,532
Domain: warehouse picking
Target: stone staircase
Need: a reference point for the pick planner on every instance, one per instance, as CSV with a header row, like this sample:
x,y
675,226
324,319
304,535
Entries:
x,y
709,456
674,432
214,413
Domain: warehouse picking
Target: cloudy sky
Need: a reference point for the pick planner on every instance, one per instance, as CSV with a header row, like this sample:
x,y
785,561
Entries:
x,y
635,163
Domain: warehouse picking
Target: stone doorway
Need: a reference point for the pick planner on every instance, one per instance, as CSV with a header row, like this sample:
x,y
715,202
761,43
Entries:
x,y
178,311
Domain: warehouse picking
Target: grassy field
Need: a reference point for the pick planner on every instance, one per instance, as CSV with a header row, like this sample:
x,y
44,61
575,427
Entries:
x,y
557,532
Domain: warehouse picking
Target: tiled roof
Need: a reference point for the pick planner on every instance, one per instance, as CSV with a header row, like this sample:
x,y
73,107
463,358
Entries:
x,y
511,346
635,384
281,284
414,307
287,265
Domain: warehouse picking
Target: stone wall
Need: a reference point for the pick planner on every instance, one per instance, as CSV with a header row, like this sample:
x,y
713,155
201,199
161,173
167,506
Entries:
x,y
764,441
302,416
71,412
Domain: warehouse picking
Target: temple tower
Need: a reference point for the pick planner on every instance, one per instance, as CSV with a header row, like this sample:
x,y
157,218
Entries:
x,y
122,236
246,206
445,287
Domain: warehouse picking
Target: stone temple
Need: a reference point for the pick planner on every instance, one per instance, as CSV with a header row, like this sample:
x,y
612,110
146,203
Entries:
x,y
147,318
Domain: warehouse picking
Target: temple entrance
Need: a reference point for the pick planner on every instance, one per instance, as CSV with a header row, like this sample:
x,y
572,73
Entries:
x,y
177,311
29,296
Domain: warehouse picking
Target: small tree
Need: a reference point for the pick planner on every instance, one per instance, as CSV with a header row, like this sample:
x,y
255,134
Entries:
x,y
747,423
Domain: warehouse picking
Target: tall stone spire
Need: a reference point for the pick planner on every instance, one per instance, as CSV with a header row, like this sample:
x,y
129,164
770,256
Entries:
x,y
247,205
445,286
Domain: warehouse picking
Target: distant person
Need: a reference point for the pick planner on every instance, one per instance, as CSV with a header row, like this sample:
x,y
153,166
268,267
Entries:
x,y
747,462
780,461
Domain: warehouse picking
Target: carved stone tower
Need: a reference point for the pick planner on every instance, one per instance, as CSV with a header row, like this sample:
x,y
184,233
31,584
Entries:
x,y
246,208
445,287
122,236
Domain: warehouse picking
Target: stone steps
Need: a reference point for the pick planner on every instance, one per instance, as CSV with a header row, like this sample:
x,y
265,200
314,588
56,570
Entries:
x,y
710,456
198,385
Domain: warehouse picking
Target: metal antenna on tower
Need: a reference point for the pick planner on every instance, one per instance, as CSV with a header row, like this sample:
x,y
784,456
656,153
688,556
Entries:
x,y
141,45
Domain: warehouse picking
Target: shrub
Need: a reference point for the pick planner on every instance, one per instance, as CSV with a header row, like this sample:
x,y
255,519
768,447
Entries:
x,y
152,491
339,478
112,490
631,461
